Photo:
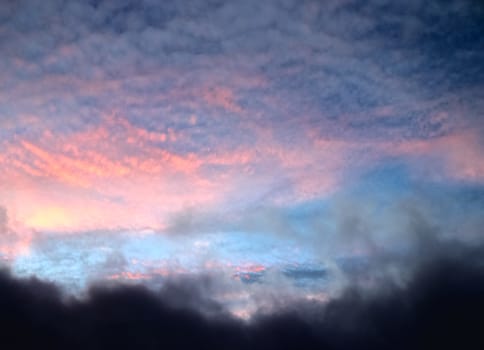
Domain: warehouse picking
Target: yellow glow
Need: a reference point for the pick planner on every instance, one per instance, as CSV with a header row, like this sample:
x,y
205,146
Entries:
x,y
49,218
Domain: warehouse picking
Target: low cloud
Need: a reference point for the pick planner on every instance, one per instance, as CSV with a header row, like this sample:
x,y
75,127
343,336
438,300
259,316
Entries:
x,y
441,307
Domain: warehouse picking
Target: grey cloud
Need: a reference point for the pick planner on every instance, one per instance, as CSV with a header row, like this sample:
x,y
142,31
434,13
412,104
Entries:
x,y
440,308
392,226
114,263
335,32
305,276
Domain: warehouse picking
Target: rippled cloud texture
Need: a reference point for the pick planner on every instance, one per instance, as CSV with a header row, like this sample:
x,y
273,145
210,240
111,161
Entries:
x,y
273,153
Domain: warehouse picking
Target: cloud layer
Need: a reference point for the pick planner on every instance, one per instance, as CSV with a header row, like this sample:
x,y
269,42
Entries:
x,y
441,307
143,108
273,151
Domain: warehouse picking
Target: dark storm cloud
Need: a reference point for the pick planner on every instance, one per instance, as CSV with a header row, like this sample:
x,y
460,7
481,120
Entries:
x,y
442,307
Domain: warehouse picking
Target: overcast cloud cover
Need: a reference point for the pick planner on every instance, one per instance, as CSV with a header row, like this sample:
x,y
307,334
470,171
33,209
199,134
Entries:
x,y
242,174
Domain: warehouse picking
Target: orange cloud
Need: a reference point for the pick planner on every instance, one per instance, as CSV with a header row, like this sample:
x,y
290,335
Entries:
x,y
98,179
152,273
250,268
116,174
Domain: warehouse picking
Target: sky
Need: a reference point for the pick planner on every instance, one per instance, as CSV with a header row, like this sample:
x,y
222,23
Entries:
x,y
271,153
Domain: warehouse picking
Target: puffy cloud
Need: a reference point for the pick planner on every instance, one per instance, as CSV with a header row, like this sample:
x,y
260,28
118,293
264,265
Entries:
x,y
440,307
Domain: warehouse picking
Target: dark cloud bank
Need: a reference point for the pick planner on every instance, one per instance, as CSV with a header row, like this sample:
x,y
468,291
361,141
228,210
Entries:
x,y
441,307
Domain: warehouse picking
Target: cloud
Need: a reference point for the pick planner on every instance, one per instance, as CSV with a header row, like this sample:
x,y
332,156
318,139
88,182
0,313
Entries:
x,y
148,108
440,307
456,156
261,259
3,221
14,240
255,121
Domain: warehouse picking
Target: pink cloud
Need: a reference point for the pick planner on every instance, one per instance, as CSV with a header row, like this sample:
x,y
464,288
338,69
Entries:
x,y
460,154
117,174
222,97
